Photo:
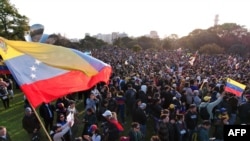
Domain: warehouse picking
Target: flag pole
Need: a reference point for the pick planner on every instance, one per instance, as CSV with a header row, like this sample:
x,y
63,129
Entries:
x,y
38,117
202,85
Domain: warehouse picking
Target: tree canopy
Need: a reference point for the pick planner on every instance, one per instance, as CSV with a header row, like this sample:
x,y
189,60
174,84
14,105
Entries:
x,y
13,25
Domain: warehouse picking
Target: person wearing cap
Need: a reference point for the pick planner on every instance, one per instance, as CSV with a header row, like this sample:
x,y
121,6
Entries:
x,y
107,114
172,113
244,110
222,120
211,105
110,128
30,123
93,135
223,114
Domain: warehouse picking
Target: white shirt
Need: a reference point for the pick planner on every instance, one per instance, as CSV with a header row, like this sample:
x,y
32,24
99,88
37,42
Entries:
x,y
59,135
96,137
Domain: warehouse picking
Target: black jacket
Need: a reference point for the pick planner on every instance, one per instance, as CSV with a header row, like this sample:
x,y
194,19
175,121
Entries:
x,y
6,139
44,112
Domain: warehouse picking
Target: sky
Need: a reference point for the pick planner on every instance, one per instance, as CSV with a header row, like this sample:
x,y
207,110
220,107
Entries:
x,y
74,18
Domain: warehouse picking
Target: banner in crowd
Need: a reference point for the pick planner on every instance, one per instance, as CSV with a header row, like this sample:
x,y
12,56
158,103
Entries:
x,y
193,58
234,87
46,72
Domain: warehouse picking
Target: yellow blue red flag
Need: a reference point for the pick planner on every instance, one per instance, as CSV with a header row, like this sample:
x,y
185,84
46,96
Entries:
x,y
234,87
46,72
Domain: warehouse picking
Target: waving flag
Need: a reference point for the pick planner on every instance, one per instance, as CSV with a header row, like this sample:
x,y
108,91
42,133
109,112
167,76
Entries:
x,y
234,87
46,72
192,59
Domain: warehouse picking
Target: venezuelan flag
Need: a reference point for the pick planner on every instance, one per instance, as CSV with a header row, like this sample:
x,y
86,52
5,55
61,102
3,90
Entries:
x,y
46,72
234,87
3,68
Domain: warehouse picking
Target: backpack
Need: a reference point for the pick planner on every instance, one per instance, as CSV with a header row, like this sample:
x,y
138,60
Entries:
x,y
204,113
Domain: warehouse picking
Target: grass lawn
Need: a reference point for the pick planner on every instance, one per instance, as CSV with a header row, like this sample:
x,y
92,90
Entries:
x,y
12,119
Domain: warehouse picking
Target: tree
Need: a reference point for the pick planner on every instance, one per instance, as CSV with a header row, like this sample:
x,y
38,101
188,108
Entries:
x,y
170,42
166,44
238,49
124,42
200,37
230,34
211,49
91,42
137,48
13,25
147,42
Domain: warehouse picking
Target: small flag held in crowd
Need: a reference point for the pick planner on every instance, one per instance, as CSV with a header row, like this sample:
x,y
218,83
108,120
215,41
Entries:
x,y
237,66
234,87
192,59
46,72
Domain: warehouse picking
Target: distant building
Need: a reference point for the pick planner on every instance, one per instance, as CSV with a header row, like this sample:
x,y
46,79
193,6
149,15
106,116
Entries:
x,y
105,37
153,34
74,40
87,34
109,38
216,20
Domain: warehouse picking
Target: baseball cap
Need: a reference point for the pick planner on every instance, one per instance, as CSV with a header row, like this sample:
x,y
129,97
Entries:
x,y
92,128
222,110
207,98
171,106
192,106
107,113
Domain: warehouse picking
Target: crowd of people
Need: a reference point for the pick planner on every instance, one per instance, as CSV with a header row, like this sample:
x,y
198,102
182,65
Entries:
x,y
162,87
